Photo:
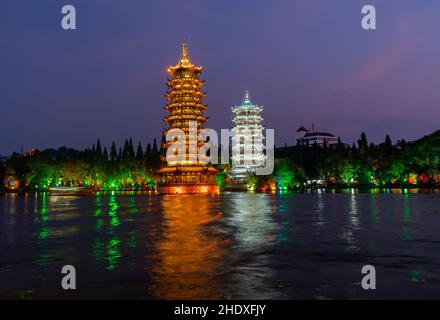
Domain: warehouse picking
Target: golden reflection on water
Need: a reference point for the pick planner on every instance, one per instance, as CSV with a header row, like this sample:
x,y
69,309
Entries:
x,y
189,256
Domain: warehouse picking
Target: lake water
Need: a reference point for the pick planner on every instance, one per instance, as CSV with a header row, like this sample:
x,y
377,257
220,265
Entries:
x,y
228,246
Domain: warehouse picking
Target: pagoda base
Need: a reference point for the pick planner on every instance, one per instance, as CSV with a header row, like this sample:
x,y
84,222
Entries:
x,y
236,187
237,183
187,188
190,180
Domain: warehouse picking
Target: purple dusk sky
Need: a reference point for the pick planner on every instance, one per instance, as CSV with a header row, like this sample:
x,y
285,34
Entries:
x,y
305,61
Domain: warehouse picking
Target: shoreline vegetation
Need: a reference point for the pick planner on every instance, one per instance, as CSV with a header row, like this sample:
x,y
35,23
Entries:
x,y
324,190
300,168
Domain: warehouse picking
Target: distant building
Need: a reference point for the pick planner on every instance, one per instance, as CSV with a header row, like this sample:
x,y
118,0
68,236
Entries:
x,y
31,152
310,137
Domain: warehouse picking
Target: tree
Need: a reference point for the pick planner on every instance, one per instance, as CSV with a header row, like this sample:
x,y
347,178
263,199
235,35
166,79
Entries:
x,y
155,156
363,142
126,151
353,147
113,153
139,152
388,142
98,154
155,150
131,154
287,174
148,155
105,155
339,146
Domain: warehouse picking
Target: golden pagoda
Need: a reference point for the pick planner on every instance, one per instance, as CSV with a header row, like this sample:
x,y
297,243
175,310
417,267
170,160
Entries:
x,y
185,108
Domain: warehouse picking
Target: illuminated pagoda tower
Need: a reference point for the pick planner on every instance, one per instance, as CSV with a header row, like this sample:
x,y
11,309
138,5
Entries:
x,y
185,112
247,141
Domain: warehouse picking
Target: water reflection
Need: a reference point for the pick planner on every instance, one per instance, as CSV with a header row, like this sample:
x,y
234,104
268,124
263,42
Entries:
x,y
252,218
320,219
254,238
406,218
107,245
349,231
416,272
189,255
233,245
375,218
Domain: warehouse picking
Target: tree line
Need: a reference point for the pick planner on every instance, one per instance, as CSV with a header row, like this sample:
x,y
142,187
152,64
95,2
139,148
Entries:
x,y
123,168
363,164
403,164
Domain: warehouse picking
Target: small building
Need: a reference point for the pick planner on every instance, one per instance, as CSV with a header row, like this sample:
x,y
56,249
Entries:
x,y
310,137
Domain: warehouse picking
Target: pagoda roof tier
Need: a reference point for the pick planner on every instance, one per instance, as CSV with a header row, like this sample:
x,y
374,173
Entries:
x,y
185,117
251,109
184,62
247,104
171,106
184,81
176,95
199,142
185,128
183,91
170,143
177,85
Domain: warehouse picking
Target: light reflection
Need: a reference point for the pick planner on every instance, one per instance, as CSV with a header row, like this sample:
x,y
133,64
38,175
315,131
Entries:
x,y
255,235
320,220
287,231
12,205
189,256
113,253
252,218
353,213
98,251
107,250
44,257
44,231
374,212
407,231
113,213
416,275
353,224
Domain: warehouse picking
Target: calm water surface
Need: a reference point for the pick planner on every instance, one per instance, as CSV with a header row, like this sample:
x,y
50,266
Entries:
x,y
229,246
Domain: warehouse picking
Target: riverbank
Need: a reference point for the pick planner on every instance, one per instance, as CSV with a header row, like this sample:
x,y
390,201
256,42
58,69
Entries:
x,y
321,190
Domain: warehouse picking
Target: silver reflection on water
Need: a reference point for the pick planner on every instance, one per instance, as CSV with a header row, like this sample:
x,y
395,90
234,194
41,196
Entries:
x,y
349,231
255,234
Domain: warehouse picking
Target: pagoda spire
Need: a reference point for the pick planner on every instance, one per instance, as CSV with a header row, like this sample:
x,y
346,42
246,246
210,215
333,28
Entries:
x,y
185,58
184,62
247,98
